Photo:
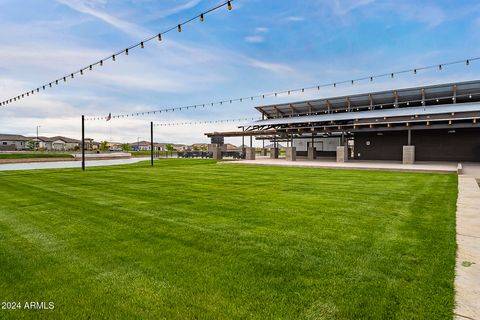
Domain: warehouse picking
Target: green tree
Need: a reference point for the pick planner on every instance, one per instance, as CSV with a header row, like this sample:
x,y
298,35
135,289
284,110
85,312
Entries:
x,y
126,147
31,145
104,146
169,147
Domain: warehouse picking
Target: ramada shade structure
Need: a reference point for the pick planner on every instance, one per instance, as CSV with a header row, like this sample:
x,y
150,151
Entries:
x,y
446,107
452,104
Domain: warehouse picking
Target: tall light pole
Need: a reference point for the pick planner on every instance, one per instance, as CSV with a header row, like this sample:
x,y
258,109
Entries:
x,y
37,143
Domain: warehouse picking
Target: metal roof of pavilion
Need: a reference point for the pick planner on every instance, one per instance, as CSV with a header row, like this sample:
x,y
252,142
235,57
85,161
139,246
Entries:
x,y
397,112
446,93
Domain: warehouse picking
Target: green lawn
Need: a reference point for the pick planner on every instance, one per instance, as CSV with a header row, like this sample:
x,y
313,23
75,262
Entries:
x,y
33,155
191,239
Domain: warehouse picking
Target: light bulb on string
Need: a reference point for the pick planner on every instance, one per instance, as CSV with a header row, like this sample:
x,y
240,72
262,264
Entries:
x,y
179,28
142,45
229,5
201,17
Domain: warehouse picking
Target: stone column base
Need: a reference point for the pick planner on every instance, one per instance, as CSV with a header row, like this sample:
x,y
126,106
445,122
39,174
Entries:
x,y
263,152
342,154
291,153
274,153
250,154
408,155
312,153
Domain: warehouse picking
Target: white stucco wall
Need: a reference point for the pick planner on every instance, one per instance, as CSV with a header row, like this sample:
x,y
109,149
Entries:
x,y
322,144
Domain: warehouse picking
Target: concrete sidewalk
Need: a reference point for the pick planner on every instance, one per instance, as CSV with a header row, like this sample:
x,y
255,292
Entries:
x,y
467,269
67,164
437,167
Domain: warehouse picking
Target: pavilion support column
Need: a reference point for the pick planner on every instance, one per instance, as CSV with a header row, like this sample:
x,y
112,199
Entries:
x,y
263,152
342,153
312,153
274,153
216,151
291,153
250,154
408,155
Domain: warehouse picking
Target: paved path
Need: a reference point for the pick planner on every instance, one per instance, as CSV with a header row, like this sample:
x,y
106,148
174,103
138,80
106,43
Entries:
x,y
467,269
440,167
68,164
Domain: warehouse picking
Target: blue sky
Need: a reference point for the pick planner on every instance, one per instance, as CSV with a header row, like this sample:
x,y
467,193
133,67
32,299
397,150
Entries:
x,y
260,46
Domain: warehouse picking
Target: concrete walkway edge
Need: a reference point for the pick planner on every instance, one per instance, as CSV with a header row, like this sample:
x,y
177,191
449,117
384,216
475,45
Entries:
x,y
467,269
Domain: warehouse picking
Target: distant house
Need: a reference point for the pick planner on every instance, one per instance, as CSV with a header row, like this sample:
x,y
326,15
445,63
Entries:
x,y
199,146
230,146
12,142
64,143
57,143
90,144
141,146
146,146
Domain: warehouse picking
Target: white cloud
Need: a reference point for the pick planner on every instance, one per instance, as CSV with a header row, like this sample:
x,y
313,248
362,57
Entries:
x,y
272,67
168,12
254,39
295,18
89,7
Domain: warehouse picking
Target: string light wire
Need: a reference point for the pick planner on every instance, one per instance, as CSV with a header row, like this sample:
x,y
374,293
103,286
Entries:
x,y
177,124
371,78
126,51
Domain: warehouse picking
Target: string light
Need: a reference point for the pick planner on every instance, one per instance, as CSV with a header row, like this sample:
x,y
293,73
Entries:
x,y
317,87
178,124
141,44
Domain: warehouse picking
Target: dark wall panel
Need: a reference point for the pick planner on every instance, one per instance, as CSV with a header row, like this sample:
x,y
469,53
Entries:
x,y
387,146
460,145
430,145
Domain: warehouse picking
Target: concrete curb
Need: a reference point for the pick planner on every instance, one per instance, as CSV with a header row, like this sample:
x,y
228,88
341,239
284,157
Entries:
x,y
349,166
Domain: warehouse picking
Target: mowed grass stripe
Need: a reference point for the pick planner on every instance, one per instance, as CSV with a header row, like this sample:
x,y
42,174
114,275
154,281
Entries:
x,y
194,239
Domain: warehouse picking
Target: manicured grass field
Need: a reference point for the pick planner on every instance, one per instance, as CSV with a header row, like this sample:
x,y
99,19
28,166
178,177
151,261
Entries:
x,y
33,155
192,239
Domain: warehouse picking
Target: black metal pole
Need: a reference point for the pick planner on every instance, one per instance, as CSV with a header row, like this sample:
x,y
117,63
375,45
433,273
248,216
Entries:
x,y
83,143
151,143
